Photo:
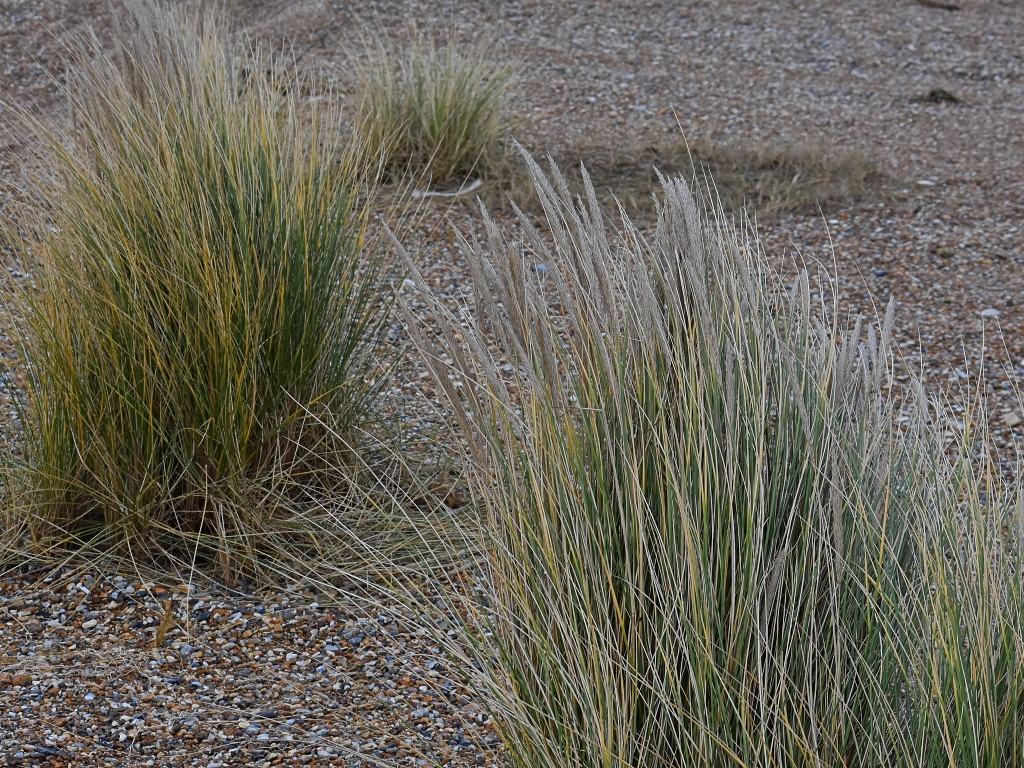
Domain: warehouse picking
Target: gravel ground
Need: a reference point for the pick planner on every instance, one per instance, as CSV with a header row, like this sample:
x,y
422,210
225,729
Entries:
x,y
275,678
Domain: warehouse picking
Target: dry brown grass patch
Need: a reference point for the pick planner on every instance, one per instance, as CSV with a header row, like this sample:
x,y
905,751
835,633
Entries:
x,y
768,179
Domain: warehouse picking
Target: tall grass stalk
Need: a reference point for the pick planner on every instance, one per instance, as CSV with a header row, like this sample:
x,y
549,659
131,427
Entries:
x,y
202,307
709,540
433,111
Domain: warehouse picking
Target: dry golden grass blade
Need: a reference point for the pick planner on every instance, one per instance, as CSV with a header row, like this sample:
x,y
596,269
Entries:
x,y
166,624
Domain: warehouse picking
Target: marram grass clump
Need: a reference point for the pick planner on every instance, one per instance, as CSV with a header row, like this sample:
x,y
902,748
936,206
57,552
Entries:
x,y
709,541
433,111
195,342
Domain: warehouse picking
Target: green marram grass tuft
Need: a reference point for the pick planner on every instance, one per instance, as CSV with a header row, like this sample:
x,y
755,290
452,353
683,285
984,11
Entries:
x,y
195,340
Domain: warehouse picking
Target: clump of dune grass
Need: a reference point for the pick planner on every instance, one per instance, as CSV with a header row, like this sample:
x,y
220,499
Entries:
x,y
195,342
708,540
434,110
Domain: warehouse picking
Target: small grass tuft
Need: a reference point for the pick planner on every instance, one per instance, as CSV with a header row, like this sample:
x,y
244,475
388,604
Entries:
x,y
433,110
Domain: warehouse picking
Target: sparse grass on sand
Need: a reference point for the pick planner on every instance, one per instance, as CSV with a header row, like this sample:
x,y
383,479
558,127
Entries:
x,y
766,179
709,541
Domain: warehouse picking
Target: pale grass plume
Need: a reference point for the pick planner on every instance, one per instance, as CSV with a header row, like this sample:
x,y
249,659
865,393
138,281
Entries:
x,y
706,539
